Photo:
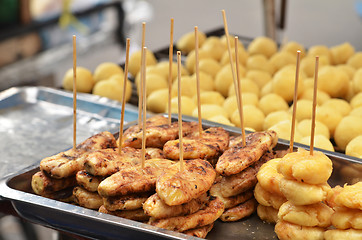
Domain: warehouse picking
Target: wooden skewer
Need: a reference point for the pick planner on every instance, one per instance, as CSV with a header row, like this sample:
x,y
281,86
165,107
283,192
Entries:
x,y
170,57
143,68
294,102
239,93
179,111
314,105
198,80
140,96
74,93
123,97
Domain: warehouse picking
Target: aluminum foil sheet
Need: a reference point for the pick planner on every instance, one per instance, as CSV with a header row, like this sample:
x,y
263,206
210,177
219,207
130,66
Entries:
x,y
37,122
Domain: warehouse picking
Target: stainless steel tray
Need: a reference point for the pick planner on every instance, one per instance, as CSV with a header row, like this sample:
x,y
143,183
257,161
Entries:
x,y
36,122
92,224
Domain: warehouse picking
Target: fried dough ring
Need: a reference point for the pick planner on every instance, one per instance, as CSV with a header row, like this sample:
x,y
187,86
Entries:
x,y
302,193
268,199
306,168
344,218
350,196
268,214
290,231
337,234
313,215
268,176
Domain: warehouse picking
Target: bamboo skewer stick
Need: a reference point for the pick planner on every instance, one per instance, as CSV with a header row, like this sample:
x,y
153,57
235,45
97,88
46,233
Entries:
x,y
294,102
198,81
170,56
143,68
120,138
74,93
179,111
230,56
140,95
314,105
239,93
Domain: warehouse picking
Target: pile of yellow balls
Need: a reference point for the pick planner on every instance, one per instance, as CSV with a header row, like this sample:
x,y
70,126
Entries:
x,y
267,84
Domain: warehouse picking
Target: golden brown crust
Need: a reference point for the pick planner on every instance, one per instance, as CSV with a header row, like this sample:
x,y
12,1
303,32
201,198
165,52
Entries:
x,y
268,214
198,219
44,185
136,215
211,145
289,231
267,198
236,159
176,187
87,199
241,211
156,208
68,163
88,181
127,202
200,232
134,179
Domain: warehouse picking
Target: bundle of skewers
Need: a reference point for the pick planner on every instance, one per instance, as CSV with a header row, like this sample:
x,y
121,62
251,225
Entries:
x,y
175,175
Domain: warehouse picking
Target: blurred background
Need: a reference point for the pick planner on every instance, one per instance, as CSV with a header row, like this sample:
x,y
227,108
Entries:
x,y
36,48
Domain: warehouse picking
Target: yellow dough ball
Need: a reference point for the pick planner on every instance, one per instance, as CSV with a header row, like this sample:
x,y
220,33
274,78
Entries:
x,y
242,54
163,69
210,97
135,61
356,112
307,64
113,88
209,66
268,88
320,50
348,128
355,60
253,117
356,101
224,79
230,104
187,105
284,81
292,47
221,119
341,53
308,94
214,46
206,81
153,82
272,103
210,110
329,117
263,45
231,41
153,70
105,70
340,105
283,130
190,59
84,80
320,141
304,109
188,87
333,81
261,78
187,42
260,62
157,101
347,69
354,147
357,81
282,59
304,127
276,117
247,85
